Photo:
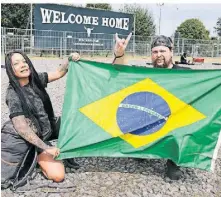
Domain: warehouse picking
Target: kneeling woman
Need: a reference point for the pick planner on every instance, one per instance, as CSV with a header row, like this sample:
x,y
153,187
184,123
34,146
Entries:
x,y
31,117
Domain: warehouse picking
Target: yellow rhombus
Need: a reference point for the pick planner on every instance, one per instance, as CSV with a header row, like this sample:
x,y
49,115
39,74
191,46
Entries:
x,y
103,113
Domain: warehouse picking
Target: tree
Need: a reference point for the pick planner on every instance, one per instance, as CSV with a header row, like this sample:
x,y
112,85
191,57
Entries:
x,y
192,29
144,22
103,6
218,26
15,15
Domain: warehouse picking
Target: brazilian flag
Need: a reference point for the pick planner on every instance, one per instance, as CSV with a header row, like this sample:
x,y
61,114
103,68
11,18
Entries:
x,y
125,111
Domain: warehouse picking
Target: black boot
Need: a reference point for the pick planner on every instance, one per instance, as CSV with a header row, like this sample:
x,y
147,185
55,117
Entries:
x,y
71,163
173,171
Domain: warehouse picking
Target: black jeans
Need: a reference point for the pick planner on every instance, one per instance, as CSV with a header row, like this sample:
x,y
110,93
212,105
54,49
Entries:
x,y
56,128
55,132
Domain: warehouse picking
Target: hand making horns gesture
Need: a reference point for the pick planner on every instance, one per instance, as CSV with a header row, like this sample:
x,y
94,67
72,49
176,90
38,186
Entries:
x,y
121,45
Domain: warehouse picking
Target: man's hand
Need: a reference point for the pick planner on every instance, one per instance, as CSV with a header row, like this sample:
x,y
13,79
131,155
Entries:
x,y
121,45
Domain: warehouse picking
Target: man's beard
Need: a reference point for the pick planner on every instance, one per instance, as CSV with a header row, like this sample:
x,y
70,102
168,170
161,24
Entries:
x,y
165,64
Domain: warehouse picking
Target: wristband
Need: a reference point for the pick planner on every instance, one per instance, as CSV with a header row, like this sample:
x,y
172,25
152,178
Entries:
x,y
118,56
115,57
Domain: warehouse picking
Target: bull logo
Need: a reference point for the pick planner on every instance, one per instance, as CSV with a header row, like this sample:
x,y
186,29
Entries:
x,y
89,30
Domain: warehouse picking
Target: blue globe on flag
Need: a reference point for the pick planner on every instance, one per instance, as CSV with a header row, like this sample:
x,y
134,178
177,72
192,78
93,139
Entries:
x,y
142,113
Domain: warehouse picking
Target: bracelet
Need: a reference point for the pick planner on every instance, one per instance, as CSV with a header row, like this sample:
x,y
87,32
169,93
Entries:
x,y
115,57
118,56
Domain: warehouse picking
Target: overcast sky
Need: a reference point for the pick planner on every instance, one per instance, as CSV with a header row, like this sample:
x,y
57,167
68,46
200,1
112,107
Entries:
x,y
172,15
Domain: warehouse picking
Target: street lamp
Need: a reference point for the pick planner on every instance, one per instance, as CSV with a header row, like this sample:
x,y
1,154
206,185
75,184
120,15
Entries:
x,y
160,4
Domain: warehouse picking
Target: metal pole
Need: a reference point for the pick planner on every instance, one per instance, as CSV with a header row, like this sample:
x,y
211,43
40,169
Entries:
x,y
92,47
22,42
61,47
159,20
5,40
151,40
31,32
134,35
113,43
65,42
3,44
178,44
160,4
182,45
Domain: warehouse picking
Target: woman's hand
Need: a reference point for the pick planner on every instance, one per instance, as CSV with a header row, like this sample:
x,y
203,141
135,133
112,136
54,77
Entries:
x,y
52,151
74,56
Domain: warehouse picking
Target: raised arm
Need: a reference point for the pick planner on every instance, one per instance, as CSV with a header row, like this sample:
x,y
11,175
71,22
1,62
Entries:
x,y
62,69
24,130
119,49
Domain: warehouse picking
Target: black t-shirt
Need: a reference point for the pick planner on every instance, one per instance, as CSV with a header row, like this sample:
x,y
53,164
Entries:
x,y
15,106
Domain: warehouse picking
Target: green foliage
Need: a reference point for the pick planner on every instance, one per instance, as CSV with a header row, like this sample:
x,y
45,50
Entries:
x,y
192,29
144,22
15,15
218,26
103,6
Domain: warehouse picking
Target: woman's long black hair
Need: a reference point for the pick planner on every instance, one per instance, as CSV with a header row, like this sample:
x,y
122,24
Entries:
x,y
35,83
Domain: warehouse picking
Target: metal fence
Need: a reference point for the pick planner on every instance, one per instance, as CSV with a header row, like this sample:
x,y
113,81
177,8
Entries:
x,y
62,43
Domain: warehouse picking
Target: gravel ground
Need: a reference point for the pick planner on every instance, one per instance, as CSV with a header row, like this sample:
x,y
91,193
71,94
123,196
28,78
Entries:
x,y
114,177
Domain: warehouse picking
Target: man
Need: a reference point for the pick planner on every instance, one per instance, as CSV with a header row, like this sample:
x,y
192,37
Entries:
x,y
162,53
183,59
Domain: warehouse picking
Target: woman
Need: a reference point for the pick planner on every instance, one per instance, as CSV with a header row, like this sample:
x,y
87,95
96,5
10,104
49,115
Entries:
x,y
32,118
